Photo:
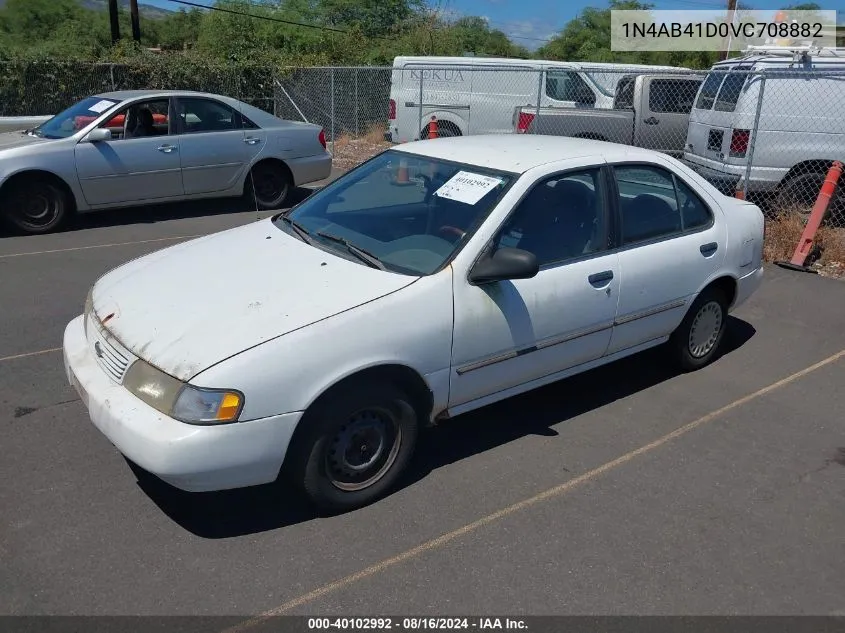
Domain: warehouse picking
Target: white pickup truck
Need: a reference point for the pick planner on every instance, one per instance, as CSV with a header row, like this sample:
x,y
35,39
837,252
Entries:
x,y
650,111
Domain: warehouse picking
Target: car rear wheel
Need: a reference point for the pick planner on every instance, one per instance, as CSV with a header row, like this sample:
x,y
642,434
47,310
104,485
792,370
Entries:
x,y
354,445
270,184
35,205
697,340
799,194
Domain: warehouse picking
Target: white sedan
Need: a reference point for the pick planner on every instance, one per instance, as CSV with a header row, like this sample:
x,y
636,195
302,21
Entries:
x,y
436,278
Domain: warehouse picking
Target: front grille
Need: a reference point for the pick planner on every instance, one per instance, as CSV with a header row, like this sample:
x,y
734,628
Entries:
x,y
111,356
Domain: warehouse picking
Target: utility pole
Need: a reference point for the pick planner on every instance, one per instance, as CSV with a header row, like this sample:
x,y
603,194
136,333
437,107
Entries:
x,y
136,23
731,13
115,23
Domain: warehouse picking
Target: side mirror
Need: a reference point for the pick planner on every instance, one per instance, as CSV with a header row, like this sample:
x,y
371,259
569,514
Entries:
x,y
505,263
97,135
585,95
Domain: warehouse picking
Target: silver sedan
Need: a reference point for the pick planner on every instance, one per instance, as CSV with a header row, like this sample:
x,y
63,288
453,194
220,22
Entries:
x,y
129,148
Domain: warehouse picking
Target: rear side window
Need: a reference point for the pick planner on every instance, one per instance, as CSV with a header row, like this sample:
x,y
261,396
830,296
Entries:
x,y
674,96
654,204
708,91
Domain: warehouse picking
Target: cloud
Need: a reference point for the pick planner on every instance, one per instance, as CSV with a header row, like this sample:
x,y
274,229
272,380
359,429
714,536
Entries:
x,y
531,34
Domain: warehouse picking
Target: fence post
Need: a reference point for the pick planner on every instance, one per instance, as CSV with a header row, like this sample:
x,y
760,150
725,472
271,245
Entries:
x,y
111,75
539,97
753,135
420,109
357,131
332,110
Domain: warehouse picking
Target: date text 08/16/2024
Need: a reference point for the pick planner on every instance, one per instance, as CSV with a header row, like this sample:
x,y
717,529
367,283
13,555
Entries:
x,y
413,624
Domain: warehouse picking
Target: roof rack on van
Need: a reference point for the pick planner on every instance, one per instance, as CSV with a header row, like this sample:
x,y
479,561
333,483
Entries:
x,y
792,50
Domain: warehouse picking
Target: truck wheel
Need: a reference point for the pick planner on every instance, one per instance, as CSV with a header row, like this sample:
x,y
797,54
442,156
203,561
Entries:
x,y
798,194
354,445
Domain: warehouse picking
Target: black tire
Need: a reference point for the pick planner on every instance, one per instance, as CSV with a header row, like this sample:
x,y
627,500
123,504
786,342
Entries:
x,y
351,414
445,131
689,349
35,205
269,185
799,194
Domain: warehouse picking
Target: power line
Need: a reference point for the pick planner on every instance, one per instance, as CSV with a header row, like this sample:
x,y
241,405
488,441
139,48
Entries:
x,y
270,18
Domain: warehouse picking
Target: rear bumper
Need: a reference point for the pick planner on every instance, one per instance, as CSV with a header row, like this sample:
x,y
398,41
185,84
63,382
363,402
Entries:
x,y
747,286
310,168
190,457
724,181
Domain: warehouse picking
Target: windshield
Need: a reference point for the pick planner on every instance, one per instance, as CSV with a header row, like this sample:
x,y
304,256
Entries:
x,y
75,118
411,213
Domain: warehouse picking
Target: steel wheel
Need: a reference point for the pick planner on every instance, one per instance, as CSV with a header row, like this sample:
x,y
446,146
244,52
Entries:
x,y
363,449
705,328
353,444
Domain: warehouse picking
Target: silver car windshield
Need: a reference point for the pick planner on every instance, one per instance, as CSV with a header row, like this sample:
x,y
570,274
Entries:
x,y
399,211
77,116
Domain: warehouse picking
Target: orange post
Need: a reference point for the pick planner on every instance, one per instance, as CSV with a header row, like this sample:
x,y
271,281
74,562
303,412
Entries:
x,y
805,244
432,127
402,172
739,192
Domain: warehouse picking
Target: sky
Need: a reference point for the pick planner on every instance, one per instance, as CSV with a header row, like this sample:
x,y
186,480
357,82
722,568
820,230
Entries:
x,y
532,22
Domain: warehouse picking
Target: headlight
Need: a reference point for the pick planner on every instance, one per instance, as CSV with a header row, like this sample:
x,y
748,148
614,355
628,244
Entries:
x,y
180,400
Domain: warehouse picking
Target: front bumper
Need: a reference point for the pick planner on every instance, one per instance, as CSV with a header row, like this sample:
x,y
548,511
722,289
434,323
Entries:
x,y
189,457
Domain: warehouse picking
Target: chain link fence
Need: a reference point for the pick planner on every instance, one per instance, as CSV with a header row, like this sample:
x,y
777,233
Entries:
x,y
771,133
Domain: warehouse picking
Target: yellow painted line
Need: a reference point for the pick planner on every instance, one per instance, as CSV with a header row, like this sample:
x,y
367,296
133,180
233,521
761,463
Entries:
x,y
27,354
83,248
557,491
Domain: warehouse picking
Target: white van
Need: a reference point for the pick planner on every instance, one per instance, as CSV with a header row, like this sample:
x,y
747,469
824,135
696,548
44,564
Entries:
x,y
478,95
801,125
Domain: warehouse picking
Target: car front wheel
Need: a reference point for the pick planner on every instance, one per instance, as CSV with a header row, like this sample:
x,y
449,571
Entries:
x,y
697,340
35,205
354,446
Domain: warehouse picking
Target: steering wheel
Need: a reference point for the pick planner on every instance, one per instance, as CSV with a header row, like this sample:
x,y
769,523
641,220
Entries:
x,y
453,230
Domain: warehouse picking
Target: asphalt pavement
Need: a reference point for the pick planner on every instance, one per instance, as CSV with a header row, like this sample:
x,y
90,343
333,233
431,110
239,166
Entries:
x,y
626,490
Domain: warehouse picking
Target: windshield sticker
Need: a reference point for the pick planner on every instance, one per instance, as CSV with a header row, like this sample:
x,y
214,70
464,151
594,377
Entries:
x,y
101,106
467,187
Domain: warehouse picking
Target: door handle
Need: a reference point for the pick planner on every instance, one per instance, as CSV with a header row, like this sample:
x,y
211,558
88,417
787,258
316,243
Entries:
x,y
597,279
166,148
651,121
708,249
251,140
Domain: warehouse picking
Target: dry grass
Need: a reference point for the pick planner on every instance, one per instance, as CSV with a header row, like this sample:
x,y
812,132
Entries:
x,y
349,151
783,233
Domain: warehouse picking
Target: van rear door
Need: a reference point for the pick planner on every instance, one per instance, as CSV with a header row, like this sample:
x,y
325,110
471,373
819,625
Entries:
x,y
713,121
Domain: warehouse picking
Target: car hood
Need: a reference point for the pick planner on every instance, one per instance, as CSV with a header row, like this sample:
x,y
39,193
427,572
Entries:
x,y
190,306
13,140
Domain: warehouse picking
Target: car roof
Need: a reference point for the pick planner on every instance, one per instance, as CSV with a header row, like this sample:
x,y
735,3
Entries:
x,y
517,153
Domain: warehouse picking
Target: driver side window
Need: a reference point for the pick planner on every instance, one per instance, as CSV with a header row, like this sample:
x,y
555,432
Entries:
x,y
144,119
561,218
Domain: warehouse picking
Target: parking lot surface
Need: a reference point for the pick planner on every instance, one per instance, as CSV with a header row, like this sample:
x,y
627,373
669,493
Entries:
x,y
627,490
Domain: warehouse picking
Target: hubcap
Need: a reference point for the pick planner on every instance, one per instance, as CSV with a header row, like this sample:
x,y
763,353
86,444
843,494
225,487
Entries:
x,y
269,185
705,329
363,449
38,209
